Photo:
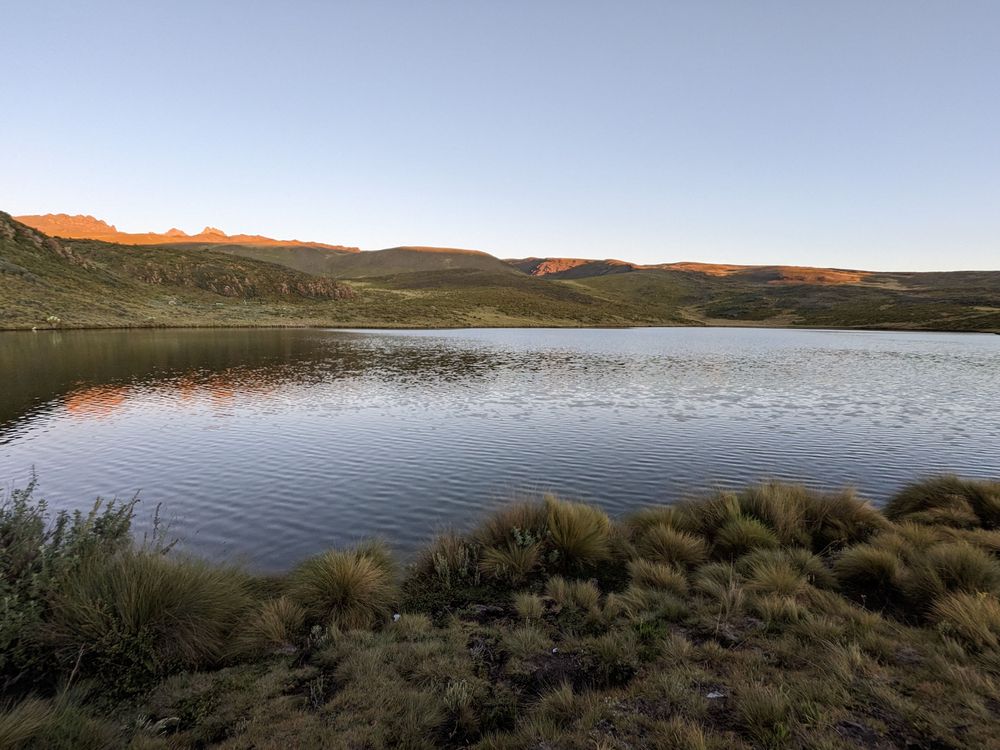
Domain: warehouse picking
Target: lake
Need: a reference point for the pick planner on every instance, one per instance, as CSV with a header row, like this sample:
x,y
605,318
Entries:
x,y
268,445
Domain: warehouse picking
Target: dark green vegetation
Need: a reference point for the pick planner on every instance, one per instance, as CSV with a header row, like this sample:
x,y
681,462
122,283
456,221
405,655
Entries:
x,y
79,283
767,618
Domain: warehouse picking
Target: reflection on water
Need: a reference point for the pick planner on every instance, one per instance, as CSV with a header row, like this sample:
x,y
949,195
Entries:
x,y
272,444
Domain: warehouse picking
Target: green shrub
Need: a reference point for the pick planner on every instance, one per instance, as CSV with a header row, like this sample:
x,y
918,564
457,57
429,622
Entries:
x,y
138,615
948,500
40,552
346,589
580,534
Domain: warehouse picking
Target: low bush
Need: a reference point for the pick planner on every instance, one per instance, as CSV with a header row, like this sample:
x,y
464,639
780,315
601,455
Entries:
x,y
40,552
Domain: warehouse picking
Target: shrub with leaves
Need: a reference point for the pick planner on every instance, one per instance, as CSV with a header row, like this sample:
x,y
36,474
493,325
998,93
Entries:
x,y
40,553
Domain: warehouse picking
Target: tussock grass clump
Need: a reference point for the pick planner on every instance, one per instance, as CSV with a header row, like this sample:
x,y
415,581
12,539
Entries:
x,y
526,641
775,576
952,567
871,572
974,618
449,559
811,567
742,534
579,594
670,516
529,606
23,722
140,615
949,501
771,617
512,562
668,545
522,522
579,534
346,589
794,515
679,734
764,713
655,575
277,624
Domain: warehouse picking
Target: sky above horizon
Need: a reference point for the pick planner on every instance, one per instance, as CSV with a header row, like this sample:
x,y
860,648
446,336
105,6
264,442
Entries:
x,y
854,134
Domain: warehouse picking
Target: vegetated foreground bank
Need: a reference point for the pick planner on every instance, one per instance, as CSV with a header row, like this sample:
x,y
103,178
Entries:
x,y
771,617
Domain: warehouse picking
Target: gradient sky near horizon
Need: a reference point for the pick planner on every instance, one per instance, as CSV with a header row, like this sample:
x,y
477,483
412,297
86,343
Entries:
x,y
856,133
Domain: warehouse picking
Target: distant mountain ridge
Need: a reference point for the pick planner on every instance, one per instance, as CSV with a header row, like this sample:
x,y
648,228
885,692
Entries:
x,y
582,268
85,227
216,279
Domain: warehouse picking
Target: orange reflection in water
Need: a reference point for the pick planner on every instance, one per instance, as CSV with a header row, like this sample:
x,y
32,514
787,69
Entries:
x,y
218,391
95,402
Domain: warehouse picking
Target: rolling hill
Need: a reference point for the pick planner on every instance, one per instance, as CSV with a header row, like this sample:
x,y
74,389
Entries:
x,y
93,282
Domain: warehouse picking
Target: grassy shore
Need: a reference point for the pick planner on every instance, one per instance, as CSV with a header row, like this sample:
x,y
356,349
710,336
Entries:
x,y
771,617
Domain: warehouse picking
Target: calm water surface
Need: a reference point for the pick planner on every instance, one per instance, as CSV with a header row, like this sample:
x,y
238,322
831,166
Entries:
x,y
270,445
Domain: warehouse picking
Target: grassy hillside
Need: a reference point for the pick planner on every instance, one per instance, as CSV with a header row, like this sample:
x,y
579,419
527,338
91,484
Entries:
x,y
87,283
80,283
774,617
400,260
959,301
319,261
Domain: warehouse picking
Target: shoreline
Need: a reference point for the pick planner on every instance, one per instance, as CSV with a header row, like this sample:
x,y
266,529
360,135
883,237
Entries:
x,y
369,327
767,617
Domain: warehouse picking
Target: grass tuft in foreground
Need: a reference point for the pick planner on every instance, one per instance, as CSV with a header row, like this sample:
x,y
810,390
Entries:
x,y
771,617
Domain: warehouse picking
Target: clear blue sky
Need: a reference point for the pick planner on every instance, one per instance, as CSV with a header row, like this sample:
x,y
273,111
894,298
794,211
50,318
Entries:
x,y
822,132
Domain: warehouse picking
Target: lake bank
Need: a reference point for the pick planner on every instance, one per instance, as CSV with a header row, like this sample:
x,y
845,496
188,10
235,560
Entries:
x,y
770,617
